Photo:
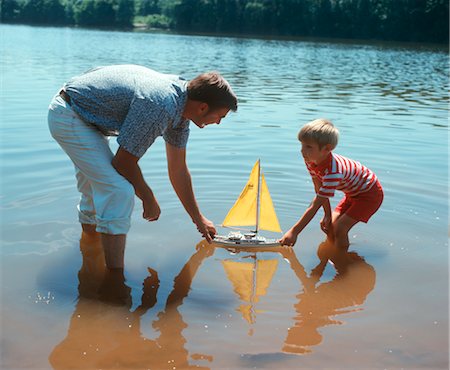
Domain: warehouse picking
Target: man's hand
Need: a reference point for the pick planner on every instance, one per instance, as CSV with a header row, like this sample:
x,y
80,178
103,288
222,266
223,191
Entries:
x,y
127,165
206,228
289,238
151,209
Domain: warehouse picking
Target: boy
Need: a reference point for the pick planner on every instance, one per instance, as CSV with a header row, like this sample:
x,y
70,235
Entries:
x,y
330,172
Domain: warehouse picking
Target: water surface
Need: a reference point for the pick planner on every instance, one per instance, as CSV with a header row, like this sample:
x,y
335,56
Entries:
x,y
385,305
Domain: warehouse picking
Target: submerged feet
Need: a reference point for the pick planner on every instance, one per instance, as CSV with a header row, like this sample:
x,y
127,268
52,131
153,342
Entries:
x,y
96,281
113,288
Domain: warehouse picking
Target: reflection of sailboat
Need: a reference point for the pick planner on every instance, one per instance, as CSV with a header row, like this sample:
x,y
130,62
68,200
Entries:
x,y
254,207
250,281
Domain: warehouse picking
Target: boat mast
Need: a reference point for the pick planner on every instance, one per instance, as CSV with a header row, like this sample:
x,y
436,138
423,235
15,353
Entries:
x,y
257,196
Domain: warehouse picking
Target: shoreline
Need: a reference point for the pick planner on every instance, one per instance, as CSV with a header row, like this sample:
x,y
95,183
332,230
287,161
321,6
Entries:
x,y
141,27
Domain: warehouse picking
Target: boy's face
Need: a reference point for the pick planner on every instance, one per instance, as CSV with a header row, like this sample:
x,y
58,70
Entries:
x,y
311,151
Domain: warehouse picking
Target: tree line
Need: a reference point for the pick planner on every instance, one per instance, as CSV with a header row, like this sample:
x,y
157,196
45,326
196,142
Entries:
x,y
399,20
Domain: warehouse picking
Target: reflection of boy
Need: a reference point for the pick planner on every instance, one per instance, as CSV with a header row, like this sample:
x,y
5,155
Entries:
x,y
320,305
330,172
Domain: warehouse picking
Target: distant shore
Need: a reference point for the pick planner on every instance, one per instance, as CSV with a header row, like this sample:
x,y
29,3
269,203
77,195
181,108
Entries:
x,y
420,22
142,27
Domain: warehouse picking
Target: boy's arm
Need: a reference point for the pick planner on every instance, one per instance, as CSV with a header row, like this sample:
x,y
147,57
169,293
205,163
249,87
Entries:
x,y
317,184
326,220
326,206
290,237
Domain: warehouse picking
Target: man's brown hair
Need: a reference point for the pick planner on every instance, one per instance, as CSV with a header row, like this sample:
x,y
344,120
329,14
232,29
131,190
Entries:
x,y
212,89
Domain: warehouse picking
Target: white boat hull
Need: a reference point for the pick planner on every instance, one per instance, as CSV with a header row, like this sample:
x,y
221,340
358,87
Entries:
x,y
243,241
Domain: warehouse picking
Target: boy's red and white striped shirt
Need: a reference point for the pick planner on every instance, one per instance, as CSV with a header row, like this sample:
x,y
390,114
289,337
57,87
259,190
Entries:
x,y
341,173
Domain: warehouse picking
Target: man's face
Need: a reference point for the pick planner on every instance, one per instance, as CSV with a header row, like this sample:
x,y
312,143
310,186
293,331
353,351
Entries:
x,y
208,116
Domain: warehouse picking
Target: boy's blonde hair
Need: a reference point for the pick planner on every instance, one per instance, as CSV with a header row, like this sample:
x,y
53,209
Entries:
x,y
321,131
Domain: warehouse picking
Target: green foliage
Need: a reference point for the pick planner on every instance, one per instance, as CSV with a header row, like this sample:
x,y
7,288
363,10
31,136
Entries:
x,y
154,21
95,13
255,15
9,10
146,7
39,11
104,13
124,11
402,20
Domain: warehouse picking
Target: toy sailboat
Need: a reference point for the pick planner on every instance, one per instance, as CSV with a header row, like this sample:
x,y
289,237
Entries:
x,y
254,207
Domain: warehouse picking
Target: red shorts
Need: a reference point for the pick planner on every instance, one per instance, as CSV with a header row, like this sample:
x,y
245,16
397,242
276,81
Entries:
x,y
362,206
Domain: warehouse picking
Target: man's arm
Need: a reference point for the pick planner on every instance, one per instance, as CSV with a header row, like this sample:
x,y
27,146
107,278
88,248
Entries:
x,y
181,181
127,165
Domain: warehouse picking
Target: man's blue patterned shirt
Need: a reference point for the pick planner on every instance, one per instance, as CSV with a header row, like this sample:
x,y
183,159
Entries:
x,y
132,102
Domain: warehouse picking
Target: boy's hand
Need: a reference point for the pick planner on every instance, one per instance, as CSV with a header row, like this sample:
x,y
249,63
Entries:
x,y
325,224
289,238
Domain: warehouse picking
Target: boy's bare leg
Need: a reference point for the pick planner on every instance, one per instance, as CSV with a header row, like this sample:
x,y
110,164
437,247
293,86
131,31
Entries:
x,y
341,227
114,248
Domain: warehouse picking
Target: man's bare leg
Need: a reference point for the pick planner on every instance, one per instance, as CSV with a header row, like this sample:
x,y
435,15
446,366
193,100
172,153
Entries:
x,y
114,248
89,229
114,289
93,267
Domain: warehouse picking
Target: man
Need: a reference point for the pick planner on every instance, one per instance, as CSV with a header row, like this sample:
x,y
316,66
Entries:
x,y
137,105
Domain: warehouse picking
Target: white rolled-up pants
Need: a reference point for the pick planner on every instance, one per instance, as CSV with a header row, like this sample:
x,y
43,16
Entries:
x,y
107,198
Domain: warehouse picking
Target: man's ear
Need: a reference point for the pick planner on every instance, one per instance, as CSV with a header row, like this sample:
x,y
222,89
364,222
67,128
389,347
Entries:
x,y
203,107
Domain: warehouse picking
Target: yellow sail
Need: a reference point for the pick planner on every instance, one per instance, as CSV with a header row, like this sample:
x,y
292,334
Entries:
x,y
267,217
244,211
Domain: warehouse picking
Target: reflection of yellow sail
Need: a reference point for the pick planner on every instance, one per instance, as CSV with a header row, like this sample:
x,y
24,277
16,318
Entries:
x,y
245,210
250,281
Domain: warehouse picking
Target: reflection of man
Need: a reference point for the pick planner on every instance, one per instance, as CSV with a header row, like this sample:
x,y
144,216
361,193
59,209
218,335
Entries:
x,y
170,323
106,336
354,280
137,105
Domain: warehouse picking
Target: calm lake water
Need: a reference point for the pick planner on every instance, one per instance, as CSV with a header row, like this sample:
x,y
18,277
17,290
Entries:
x,y
383,306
